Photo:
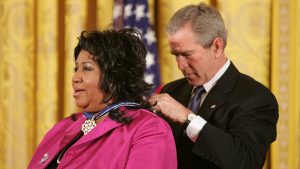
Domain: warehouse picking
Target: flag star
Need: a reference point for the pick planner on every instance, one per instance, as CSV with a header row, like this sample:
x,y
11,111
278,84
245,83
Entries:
x,y
150,36
149,60
139,12
128,11
118,11
149,78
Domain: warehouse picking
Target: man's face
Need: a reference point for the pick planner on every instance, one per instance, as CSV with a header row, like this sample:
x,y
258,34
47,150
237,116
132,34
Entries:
x,y
195,62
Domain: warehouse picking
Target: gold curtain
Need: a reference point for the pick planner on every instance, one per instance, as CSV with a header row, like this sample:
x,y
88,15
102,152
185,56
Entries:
x,y
75,15
286,82
248,24
17,66
37,39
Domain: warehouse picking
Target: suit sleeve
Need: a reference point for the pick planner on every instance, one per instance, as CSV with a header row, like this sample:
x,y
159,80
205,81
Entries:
x,y
153,146
245,141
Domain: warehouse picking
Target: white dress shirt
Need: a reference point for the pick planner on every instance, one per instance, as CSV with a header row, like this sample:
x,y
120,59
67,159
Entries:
x,y
197,122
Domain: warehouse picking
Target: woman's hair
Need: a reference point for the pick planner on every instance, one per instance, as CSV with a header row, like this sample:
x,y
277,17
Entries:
x,y
120,55
206,22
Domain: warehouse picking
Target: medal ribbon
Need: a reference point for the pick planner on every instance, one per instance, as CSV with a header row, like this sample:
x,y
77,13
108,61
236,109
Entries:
x,y
90,123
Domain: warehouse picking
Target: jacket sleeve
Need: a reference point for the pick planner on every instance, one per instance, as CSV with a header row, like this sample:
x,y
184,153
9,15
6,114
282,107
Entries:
x,y
250,131
152,146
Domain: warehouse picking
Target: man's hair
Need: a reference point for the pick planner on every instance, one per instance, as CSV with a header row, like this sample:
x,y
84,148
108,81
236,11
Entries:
x,y
206,22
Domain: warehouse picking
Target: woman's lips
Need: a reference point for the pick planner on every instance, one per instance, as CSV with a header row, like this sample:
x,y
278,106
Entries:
x,y
77,92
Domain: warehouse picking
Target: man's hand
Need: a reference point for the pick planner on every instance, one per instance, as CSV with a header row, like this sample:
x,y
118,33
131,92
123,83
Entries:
x,y
169,107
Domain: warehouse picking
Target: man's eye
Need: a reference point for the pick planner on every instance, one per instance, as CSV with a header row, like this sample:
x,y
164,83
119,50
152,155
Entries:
x,y
176,55
75,69
186,55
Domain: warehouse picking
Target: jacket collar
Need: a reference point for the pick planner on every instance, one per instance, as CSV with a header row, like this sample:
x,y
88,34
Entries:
x,y
217,96
106,126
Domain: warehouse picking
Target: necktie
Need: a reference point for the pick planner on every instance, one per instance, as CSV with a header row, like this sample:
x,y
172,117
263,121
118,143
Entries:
x,y
194,103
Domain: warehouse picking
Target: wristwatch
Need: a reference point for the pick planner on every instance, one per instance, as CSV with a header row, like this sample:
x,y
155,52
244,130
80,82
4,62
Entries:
x,y
190,117
186,123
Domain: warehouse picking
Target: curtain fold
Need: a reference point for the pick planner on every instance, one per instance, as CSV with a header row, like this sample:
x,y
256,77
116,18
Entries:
x,y
248,25
75,19
286,82
46,56
17,82
104,13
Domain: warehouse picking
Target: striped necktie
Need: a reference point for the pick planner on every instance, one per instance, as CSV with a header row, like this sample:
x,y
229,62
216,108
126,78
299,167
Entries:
x,y
195,100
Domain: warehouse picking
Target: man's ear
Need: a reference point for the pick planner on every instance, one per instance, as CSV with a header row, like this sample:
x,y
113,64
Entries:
x,y
217,46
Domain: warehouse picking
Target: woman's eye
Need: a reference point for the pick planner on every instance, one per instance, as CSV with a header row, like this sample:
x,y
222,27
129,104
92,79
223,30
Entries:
x,y
83,68
87,68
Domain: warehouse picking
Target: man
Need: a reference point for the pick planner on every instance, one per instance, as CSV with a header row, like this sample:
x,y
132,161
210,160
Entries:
x,y
236,121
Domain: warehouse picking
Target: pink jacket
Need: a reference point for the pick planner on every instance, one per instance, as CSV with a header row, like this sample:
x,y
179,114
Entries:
x,y
145,143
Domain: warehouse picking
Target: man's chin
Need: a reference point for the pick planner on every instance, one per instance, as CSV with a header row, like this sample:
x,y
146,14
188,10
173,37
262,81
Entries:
x,y
193,82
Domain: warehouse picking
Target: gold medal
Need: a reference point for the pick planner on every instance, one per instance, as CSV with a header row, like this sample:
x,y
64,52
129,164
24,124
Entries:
x,y
88,125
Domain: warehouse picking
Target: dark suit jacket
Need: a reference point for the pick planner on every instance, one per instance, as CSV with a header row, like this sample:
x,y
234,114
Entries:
x,y
241,117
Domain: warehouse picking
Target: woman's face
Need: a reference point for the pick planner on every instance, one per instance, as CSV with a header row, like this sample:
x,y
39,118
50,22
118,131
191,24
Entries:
x,y
85,83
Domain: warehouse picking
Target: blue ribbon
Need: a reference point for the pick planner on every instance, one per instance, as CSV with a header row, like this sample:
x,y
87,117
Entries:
x,y
106,110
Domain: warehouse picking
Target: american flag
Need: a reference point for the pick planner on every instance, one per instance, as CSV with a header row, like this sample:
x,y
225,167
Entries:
x,y
135,14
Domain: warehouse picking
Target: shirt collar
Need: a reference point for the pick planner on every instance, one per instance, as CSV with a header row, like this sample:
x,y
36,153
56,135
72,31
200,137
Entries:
x,y
210,84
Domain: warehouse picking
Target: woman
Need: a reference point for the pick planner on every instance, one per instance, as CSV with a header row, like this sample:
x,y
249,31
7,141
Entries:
x,y
116,130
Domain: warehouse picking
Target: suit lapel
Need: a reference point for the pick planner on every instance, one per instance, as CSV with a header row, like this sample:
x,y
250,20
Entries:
x,y
212,102
186,95
218,94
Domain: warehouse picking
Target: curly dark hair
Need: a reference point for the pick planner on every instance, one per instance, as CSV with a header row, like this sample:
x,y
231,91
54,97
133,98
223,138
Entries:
x,y
120,55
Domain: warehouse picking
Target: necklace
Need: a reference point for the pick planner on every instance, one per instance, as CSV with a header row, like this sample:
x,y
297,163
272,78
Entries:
x,y
88,125
90,122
